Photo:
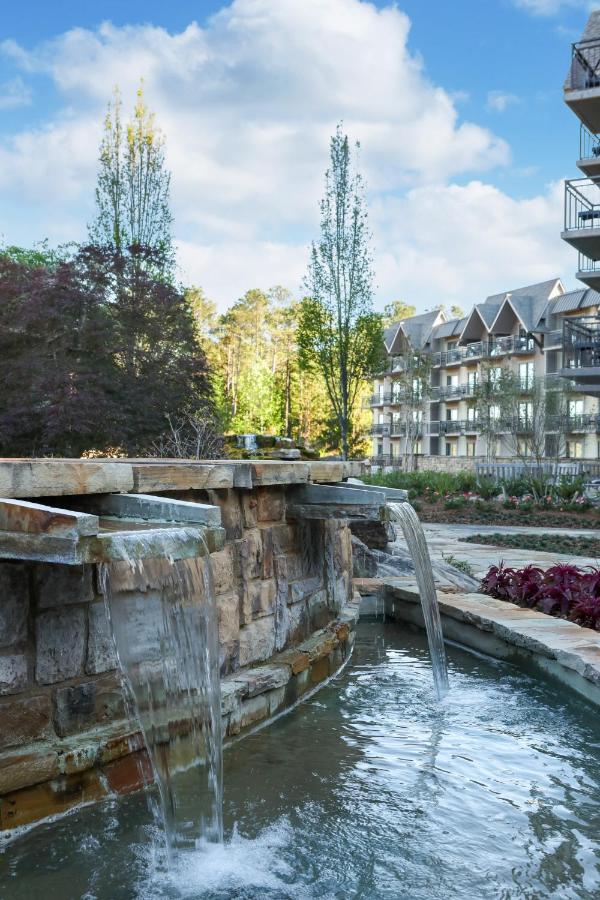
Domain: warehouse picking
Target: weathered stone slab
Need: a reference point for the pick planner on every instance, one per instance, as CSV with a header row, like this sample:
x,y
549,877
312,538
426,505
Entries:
x,y
270,504
57,585
180,476
222,566
14,603
320,644
74,708
258,600
20,770
14,673
257,640
101,655
274,472
326,471
51,478
156,509
25,719
296,659
34,518
264,678
60,637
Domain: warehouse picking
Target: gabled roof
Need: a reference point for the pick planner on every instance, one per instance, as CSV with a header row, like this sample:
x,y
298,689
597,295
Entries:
x,y
389,336
528,303
417,329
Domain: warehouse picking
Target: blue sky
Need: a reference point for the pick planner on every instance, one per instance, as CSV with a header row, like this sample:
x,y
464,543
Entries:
x,y
465,136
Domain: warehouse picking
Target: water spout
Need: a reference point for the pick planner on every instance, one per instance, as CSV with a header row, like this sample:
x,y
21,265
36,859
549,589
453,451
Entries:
x,y
248,442
404,514
163,620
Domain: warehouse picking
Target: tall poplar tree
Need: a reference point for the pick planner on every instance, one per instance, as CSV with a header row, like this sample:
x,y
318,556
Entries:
x,y
132,191
339,334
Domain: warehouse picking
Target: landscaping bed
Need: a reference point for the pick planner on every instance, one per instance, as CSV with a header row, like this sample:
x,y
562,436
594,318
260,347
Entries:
x,y
575,545
564,591
496,514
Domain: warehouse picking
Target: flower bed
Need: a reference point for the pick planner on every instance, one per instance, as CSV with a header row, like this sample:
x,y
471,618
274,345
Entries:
x,y
563,590
547,543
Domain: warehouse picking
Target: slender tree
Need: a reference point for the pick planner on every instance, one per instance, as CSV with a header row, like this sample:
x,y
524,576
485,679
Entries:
x,y
132,191
339,334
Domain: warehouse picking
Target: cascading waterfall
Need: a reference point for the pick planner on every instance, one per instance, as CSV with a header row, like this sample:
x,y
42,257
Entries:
x,y
404,514
164,626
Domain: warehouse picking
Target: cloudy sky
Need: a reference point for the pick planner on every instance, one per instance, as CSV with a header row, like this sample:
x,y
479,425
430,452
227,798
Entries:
x,y
458,108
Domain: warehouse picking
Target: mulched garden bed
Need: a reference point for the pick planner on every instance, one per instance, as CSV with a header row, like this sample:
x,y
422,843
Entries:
x,y
547,543
538,518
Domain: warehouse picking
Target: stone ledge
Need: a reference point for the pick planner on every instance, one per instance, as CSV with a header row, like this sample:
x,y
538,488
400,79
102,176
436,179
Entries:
x,y
559,647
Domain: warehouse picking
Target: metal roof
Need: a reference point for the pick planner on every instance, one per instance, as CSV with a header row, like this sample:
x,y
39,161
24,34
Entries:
x,y
574,300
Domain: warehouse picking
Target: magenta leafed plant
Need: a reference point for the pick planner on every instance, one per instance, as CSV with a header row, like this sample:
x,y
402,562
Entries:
x,y
562,590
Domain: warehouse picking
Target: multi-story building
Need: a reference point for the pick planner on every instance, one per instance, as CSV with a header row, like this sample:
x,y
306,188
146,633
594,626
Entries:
x,y
549,339
519,331
582,204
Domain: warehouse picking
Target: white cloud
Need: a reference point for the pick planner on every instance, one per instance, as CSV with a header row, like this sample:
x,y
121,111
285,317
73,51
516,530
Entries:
x,y
499,101
14,93
248,104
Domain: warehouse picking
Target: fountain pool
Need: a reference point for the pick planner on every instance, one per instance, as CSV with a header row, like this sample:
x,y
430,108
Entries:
x,y
371,789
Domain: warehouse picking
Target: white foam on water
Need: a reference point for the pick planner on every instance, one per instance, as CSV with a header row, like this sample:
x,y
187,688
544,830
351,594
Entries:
x,y
240,866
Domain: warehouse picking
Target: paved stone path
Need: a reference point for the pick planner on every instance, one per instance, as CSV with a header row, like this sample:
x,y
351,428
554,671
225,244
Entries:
x,y
443,540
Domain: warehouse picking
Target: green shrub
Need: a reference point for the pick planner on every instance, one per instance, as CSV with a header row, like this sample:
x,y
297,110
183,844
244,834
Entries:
x,y
416,505
455,502
569,488
461,564
487,487
514,487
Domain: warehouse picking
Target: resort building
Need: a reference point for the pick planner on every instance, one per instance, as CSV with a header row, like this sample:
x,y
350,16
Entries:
x,y
582,202
443,391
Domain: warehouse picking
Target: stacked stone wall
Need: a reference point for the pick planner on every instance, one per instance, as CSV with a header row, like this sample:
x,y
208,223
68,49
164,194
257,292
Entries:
x,y
65,736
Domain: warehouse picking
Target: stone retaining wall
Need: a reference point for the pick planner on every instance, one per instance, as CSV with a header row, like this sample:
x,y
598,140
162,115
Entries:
x,y
65,738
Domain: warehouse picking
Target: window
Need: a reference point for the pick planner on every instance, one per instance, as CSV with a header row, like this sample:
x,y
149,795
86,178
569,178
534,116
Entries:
x,y
471,414
525,413
418,447
379,448
451,447
470,448
523,448
495,374
472,381
494,411
526,374
417,415
451,380
452,415
575,409
574,449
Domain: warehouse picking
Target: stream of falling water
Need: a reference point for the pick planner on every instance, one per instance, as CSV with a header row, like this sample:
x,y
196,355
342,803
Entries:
x,y
163,620
404,514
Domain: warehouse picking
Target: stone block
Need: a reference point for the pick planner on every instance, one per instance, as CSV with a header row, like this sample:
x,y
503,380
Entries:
x,y
14,603
267,561
101,655
249,505
263,678
60,637
270,504
232,518
74,708
222,567
61,585
13,673
257,640
254,710
20,770
285,538
304,588
228,612
297,660
254,559
296,566
50,798
129,773
24,720
298,622
258,600
282,618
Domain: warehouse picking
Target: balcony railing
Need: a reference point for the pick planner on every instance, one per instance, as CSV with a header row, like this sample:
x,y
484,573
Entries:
x,y
585,66
588,267
495,347
589,143
581,341
554,338
383,430
582,206
386,460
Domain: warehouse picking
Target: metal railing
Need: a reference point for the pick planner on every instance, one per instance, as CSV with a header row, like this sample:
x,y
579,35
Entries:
x,y
584,73
589,143
582,204
554,338
386,460
588,267
581,342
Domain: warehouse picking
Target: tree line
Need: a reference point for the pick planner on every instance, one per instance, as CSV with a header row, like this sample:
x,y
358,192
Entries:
x,y
103,350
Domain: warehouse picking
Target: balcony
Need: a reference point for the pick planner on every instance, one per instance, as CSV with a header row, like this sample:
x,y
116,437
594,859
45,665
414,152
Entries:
x,y
582,87
582,217
553,339
386,461
379,399
588,271
589,152
381,430
581,355
512,344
